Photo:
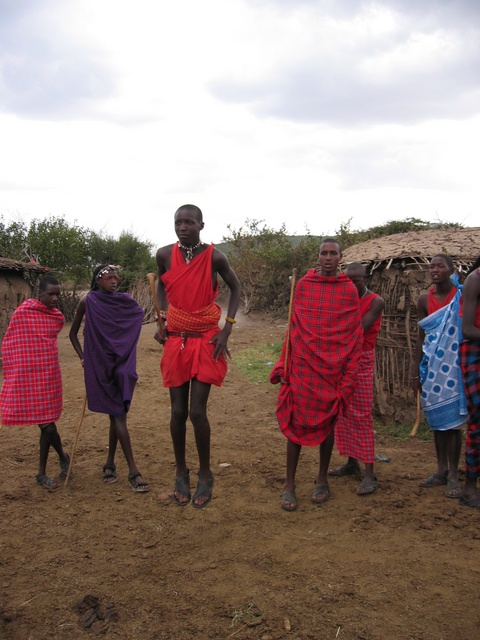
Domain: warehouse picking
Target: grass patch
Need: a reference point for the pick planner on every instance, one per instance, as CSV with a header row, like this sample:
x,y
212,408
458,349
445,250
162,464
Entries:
x,y
256,362
402,431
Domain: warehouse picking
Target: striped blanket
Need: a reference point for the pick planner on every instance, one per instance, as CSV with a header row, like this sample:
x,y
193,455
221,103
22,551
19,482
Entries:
x,y
443,397
32,381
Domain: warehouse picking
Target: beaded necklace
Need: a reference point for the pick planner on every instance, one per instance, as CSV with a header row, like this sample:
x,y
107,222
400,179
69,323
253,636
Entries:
x,y
189,250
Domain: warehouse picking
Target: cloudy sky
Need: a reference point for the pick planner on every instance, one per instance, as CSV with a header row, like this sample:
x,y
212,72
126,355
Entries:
x,y
113,113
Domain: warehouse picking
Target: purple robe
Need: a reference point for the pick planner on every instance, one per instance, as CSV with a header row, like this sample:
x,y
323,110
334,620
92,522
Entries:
x,y
112,328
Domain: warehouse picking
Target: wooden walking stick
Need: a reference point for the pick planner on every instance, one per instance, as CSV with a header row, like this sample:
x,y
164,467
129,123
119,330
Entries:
x,y
414,430
75,441
152,277
290,305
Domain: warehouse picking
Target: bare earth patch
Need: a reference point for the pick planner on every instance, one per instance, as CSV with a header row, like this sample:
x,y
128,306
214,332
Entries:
x,y
97,559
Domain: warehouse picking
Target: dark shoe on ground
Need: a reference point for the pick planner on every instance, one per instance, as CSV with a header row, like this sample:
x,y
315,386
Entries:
x,y
453,489
204,490
64,468
109,474
47,483
321,494
474,503
288,501
139,486
433,481
346,469
182,487
367,486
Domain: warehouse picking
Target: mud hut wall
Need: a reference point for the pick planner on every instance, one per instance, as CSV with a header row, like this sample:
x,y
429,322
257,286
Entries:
x,y
400,288
14,289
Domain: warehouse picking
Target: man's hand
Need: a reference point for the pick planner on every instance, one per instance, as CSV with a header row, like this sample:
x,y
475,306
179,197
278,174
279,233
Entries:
x,y
220,341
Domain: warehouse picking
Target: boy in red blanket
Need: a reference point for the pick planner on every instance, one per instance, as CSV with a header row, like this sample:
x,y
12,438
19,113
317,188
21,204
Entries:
x,y
325,345
354,431
195,348
32,382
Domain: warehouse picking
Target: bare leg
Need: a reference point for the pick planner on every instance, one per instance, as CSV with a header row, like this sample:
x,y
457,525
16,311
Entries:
x,y
178,428
198,415
454,447
112,443
49,437
326,449
321,493
369,472
441,440
293,456
119,424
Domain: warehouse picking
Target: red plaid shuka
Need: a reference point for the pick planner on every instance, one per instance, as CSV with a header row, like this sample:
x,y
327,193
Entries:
x,y
470,363
354,431
32,381
191,307
325,345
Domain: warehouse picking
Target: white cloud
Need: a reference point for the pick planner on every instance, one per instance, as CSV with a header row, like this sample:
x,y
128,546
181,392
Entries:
x,y
115,113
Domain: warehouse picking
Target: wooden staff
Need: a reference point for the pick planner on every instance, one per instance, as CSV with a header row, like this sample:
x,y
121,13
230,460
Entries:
x,y
413,433
289,322
152,277
75,441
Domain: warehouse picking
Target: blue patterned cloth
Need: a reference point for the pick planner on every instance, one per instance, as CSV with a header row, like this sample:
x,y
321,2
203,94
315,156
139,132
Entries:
x,y
443,397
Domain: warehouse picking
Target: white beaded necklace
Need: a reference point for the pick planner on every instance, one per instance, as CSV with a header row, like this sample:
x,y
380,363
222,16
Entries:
x,y
189,250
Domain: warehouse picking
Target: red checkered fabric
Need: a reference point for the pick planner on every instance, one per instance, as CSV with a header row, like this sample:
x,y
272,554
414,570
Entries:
x,y
354,432
32,381
325,345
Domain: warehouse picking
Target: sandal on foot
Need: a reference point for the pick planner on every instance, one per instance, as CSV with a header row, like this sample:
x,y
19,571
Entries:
x,y
433,481
453,489
321,493
111,477
139,486
182,487
288,501
203,490
346,469
47,483
367,486
64,468
469,502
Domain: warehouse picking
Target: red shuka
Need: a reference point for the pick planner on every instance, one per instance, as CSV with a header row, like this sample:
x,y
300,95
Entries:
x,y
32,381
325,345
191,308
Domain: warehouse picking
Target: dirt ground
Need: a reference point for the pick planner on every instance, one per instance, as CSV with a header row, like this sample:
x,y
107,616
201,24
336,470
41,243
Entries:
x,y
401,563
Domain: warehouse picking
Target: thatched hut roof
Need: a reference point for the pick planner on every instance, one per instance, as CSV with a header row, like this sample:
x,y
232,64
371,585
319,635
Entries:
x,y
6,264
463,245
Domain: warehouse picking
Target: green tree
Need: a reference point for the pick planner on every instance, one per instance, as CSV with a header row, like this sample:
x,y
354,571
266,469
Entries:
x,y
132,254
263,260
63,247
13,241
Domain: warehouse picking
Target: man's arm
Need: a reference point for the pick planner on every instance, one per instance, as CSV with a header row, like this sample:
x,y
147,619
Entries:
x,y
422,308
372,314
163,264
222,267
471,299
74,329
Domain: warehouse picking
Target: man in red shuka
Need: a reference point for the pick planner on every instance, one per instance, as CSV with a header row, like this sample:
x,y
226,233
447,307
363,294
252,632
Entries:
x,y
321,374
195,348
354,430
